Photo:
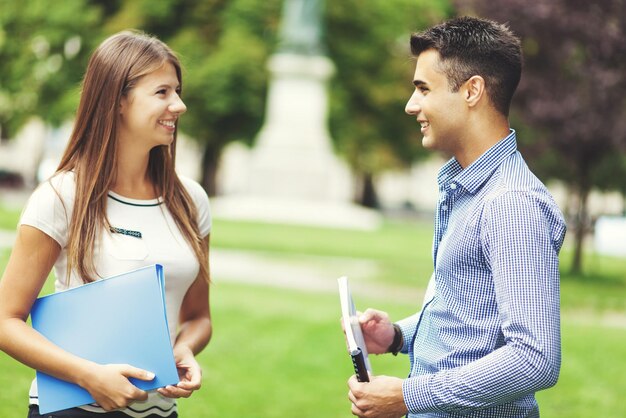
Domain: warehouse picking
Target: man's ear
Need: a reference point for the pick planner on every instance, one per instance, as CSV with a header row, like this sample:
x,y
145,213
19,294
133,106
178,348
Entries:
x,y
474,90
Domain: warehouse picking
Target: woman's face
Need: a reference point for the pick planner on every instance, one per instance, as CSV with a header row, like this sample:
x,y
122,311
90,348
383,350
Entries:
x,y
149,112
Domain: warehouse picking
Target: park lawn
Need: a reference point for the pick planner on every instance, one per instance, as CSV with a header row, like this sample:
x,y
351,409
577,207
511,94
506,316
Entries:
x,y
402,250
8,218
279,352
592,381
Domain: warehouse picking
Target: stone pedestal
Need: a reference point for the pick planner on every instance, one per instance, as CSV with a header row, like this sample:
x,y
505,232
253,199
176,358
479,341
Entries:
x,y
292,173
293,155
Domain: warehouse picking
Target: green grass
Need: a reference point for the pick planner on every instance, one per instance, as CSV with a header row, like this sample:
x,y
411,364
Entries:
x,y
402,250
276,352
279,352
592,381
8,218
601,288
293,346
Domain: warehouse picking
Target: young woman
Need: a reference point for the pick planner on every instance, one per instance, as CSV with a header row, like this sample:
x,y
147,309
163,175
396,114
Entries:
x,y
116,204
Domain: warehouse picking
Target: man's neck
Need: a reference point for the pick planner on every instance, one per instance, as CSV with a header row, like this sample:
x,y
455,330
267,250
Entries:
x,y
481,136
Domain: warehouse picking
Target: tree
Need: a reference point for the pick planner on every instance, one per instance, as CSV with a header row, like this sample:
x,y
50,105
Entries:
x,y
43,51
369,45
223,46
571,92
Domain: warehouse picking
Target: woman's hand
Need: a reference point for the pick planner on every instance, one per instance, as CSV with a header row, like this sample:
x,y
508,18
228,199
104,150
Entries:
x,y
189,373
110,387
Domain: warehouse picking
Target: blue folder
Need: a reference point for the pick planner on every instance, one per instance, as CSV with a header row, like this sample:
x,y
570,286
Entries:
x,y
121,319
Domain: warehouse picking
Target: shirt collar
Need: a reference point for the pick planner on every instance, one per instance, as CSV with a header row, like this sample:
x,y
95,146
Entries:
x,y
474,175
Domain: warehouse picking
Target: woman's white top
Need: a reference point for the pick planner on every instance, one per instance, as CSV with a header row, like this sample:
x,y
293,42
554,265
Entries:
x,y
49,209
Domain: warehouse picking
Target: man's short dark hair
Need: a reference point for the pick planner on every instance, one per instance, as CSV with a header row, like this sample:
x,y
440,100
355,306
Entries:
x,y
471,46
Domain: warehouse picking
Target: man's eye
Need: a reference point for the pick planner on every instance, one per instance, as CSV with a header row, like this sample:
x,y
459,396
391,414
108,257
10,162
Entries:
x,y
162,91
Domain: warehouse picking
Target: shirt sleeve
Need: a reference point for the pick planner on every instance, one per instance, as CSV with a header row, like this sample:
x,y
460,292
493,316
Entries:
x,y
49,208
521,236
408,326
201,200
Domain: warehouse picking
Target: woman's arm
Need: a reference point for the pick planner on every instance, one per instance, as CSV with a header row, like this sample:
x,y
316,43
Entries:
x,y
32,258
195,332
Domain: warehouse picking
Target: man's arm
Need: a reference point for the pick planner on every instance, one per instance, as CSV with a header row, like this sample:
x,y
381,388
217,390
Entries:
x,y
380,397
520,248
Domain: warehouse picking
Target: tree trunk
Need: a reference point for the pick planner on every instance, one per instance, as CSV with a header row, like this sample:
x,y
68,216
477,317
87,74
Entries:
x,y
368,196
210,159
581,226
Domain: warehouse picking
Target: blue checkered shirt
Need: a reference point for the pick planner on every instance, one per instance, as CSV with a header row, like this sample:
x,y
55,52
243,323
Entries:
x,y
489,337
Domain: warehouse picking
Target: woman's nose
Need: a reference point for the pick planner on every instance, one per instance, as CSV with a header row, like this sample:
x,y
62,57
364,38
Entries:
x,y
178,106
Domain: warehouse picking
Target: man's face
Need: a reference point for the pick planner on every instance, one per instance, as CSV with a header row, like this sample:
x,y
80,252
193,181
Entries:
x,y
439,111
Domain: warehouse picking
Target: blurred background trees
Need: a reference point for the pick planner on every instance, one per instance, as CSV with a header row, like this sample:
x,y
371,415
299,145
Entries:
x,y
224,46
43,51
571,95
370,48
569,107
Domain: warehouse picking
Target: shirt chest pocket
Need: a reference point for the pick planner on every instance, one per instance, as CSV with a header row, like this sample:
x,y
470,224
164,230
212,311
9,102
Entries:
x,y
124,247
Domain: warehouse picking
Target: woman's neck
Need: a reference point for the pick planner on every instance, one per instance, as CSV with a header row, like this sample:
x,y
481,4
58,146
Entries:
x,y
131,177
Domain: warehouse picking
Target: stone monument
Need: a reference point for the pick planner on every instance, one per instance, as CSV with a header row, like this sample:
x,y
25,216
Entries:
x,y
293,174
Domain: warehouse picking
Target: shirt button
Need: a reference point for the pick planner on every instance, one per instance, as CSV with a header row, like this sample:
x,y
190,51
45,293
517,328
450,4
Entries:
x,y
453,186
444,207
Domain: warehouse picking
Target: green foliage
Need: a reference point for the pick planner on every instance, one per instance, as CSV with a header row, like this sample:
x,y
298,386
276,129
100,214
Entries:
x,y
225,88
571,93
370,48
224,46
43,50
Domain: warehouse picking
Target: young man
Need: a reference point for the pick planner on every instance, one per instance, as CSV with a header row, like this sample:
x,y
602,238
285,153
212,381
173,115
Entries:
x,y
488,335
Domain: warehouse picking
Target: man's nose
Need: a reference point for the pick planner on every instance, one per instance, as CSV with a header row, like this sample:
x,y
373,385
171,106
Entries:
x,y
412,106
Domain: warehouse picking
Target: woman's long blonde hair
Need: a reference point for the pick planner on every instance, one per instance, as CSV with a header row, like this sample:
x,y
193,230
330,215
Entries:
x,y
113,70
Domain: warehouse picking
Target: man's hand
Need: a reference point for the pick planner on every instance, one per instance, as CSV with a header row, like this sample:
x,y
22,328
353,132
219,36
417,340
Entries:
x,y
377,330
381,397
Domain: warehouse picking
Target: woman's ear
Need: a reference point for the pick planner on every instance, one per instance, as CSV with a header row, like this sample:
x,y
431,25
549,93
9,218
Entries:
x,y
122,107
474,90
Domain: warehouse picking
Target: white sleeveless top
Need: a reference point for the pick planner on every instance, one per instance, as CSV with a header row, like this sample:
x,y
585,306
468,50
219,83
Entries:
x,y
49,209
